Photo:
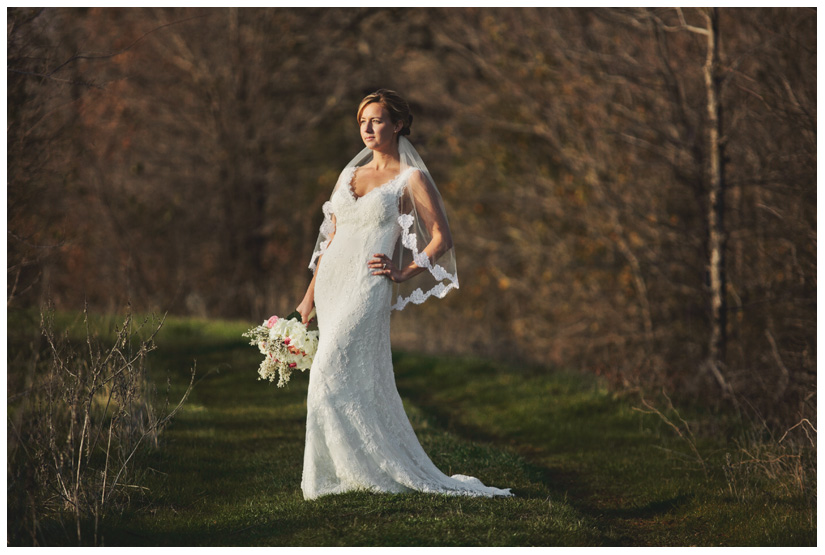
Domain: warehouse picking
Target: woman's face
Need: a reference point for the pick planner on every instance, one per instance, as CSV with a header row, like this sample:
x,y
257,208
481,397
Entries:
x,y
377,129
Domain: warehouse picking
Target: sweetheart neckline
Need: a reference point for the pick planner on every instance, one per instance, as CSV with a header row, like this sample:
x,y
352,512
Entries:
x,y
356,197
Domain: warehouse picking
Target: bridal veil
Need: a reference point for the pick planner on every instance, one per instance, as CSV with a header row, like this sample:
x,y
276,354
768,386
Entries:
x,y
421,209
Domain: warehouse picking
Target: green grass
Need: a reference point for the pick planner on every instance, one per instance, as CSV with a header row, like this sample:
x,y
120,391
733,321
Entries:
x,y
626,471
585,467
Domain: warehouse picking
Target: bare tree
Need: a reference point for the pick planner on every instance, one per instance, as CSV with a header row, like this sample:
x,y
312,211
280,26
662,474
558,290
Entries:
x,y
630,195
713,131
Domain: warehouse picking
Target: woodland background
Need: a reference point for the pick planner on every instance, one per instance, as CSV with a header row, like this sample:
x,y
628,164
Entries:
x,y
177,159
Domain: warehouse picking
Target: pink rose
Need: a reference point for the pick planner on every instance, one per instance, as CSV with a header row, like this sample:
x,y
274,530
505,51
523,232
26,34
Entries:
x,y
271,321
293,364
287,340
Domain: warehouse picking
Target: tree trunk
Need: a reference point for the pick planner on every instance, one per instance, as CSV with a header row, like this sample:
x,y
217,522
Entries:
x,y
716,202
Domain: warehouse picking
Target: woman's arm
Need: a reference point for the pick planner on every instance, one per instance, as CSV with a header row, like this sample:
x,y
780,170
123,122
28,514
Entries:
x,y
308,302
305,307
428,207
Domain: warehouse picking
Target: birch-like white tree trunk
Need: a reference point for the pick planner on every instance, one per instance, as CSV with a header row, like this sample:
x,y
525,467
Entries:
x,y
716,200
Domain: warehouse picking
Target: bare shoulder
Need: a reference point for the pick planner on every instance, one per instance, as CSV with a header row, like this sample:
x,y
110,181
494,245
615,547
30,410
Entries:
x,y
418,179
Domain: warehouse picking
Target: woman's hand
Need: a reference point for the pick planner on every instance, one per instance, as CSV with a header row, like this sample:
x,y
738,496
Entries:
x,y
383,266
305,308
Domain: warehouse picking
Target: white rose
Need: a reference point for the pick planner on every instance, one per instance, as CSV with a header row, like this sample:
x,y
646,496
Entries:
x,y
277,330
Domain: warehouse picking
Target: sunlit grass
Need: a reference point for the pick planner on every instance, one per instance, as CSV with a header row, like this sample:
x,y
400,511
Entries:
x,y
587,469
625,469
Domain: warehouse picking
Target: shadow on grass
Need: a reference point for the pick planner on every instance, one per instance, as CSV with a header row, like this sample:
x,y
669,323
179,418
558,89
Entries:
x,y
583,467
651,510
233,463
557,458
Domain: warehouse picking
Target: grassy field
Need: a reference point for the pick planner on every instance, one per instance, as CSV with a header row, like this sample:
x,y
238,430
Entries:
x,y
586,468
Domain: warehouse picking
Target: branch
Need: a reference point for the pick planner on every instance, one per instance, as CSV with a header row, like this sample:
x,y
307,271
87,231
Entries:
x,y
27,243
154,428
691,28
683,25
803,421
96,56
49,76
687,436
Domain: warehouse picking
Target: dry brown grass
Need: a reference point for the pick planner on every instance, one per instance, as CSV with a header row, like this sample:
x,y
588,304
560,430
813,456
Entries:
x,y
79,424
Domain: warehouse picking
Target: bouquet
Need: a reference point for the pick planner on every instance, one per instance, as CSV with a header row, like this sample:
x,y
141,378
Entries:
x,y
286,343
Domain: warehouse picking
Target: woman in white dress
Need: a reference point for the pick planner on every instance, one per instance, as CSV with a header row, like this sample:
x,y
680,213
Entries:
x,y
384,206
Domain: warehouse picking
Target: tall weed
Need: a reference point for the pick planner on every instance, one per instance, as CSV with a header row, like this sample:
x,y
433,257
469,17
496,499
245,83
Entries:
x,y
758,464
85,414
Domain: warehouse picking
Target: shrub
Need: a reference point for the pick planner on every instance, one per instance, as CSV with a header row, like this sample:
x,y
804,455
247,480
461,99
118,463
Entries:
x,y
85,415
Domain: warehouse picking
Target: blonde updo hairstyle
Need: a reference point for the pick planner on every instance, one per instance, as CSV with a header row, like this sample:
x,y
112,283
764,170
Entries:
x,y
394,103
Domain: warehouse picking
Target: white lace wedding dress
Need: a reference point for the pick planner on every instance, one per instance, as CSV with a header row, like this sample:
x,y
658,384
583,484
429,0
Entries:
x,y
358,436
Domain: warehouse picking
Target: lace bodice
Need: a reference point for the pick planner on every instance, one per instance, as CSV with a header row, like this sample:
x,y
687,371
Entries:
x,y
380,211
377,210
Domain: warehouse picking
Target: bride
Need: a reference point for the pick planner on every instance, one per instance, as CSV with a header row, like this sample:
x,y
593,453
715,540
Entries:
x,y
368,261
